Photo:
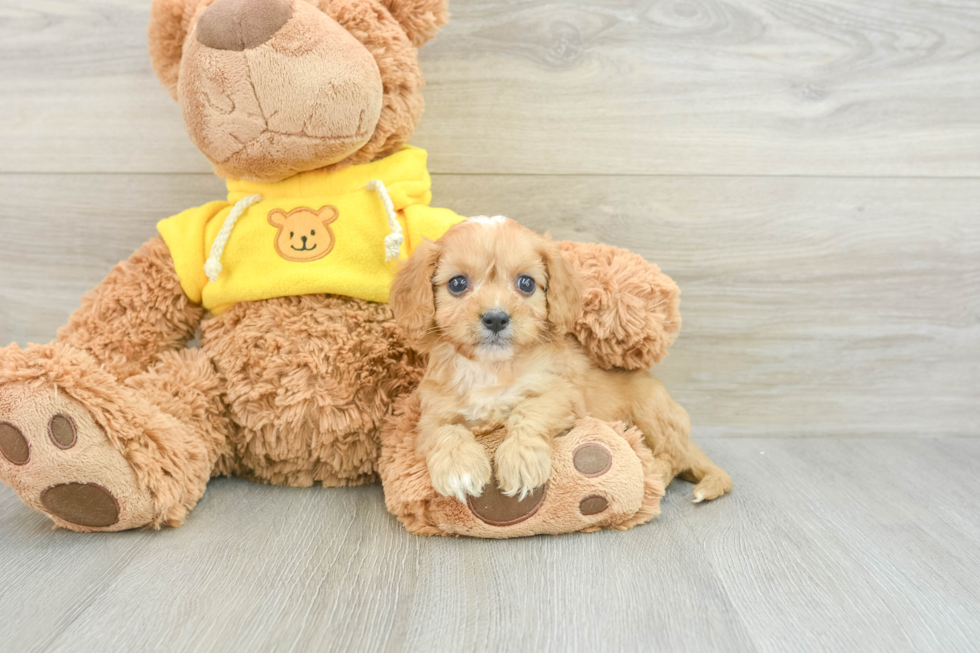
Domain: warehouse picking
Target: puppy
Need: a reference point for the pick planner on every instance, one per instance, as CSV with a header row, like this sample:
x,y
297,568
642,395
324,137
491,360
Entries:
x,y
493,304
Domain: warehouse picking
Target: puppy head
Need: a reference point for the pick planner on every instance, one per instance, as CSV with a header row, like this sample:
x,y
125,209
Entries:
x,y
489,288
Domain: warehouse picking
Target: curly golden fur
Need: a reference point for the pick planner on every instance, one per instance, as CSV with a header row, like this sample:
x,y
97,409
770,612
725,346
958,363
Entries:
x,y
492,304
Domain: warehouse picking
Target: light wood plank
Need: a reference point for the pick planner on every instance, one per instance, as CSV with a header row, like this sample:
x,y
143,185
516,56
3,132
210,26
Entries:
x,y
825,545
842,87
811,306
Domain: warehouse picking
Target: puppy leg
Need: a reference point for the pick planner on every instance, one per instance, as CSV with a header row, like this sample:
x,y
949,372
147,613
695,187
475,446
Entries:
x,y
524,457
667,430
457,463
712,481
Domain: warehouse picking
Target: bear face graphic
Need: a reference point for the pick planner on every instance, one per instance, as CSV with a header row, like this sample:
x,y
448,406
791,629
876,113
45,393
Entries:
x,y
304,234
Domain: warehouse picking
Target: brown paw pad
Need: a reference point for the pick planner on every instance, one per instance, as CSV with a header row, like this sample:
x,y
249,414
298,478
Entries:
x,y
83,504
495,508
13,445
593,505
62,431
591,460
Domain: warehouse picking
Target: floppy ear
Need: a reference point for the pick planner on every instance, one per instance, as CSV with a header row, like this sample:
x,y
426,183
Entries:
x,y
328,214
420,19
412,299
564,291
277,218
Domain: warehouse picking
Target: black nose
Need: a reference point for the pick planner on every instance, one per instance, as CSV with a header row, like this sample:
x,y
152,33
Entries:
x,y
304,240
496,321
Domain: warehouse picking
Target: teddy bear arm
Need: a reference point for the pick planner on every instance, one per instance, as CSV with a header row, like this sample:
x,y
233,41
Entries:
x,y
630,312
137,312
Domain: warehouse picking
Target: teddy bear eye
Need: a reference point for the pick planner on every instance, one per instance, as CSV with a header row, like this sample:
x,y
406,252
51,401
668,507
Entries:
x,y
457,285
526,284
290,234
312,232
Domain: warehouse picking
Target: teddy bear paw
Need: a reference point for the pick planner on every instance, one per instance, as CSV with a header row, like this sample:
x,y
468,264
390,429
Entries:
x,y
60,462
599,479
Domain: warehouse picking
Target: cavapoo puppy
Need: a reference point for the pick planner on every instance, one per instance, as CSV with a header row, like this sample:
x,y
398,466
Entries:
x,y
492,304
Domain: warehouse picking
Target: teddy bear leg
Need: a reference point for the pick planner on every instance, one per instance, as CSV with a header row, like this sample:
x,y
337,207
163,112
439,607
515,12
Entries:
x,y
97,454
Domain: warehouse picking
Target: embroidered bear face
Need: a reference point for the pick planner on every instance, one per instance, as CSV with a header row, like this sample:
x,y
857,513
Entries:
x,y
304,234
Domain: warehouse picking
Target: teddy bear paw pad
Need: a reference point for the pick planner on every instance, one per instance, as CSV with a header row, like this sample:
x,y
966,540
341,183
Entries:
x,y
60,462
591,459
84,504
495,508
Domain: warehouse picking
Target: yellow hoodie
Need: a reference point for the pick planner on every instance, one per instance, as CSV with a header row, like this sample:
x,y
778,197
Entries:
x,y
313,233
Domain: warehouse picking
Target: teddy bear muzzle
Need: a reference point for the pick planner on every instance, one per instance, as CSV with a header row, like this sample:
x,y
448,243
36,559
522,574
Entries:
x,y
269,88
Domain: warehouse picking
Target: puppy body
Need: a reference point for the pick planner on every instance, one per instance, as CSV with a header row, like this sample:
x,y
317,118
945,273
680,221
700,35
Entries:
x,y
492,304
536,394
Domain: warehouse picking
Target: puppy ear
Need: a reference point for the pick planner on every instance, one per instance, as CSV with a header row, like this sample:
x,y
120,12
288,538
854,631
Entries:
x,y
412,299
564,292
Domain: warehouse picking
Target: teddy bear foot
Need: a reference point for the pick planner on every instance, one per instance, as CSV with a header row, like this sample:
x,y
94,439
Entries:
x,y
603,476
97,454
60,462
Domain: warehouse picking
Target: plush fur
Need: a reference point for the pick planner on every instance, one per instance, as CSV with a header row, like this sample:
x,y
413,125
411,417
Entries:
x,y
630,310
294,390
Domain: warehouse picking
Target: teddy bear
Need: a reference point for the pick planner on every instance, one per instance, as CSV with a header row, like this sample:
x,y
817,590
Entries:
x,y
305,108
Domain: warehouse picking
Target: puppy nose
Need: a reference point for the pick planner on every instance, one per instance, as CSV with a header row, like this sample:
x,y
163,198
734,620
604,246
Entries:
x,y
241,24
496,321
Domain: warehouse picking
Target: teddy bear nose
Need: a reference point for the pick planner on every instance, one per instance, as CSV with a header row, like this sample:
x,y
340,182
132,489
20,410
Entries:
x,y
241,24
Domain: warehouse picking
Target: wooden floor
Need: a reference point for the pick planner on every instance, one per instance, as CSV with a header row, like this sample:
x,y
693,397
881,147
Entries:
x,y
808,171
868,544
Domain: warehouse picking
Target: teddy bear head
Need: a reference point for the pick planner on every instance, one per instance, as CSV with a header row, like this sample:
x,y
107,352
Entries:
x,y
271,88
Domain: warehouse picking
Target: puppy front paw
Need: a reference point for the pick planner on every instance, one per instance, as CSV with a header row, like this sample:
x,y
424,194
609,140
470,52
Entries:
x,y
462,470
522,466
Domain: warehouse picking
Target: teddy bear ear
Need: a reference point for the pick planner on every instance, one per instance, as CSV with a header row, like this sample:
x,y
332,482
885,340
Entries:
x,y
328,214
169,22
420,19
277,218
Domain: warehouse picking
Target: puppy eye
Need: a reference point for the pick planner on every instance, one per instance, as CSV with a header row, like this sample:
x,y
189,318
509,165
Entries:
x,y
457,285
312,233
526,284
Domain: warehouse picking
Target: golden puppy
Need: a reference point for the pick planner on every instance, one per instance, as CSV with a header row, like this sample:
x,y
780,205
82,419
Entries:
x,y
492,303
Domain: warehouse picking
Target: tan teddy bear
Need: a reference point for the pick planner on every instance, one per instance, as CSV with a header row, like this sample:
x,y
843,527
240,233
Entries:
x,y
305,107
